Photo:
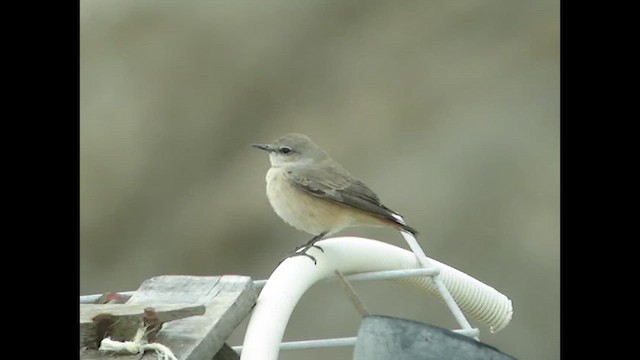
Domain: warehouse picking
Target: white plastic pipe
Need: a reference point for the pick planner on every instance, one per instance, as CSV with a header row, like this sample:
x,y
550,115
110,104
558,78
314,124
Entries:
x,y
294,276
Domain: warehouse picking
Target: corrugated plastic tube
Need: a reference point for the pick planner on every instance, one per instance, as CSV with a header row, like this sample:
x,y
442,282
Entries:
x,y
294,276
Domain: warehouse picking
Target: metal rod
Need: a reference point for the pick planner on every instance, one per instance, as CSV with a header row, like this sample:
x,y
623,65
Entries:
x,y
373,275
337,342
352,295
444,292
468,332
393,274
311,344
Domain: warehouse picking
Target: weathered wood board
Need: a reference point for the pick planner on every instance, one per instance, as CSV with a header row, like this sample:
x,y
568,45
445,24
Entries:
x,y
123,320
227,299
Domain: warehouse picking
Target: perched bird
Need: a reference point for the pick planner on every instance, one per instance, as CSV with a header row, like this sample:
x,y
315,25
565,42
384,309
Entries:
x,y
313,193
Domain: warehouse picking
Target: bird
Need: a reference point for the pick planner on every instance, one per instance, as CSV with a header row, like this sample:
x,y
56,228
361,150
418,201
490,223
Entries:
x,y
315,194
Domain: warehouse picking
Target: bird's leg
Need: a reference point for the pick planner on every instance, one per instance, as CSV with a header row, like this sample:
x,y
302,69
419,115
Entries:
x,y
302,249
312,242
298,254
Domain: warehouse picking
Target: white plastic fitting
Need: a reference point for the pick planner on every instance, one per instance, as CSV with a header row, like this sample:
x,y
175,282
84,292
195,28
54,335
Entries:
x,y
295,275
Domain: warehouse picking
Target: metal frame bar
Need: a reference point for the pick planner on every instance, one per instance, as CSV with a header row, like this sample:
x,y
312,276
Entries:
x,y
374,275
442,289
338,342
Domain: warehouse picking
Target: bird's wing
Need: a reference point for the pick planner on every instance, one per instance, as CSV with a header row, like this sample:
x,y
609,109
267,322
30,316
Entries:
x,y
339,187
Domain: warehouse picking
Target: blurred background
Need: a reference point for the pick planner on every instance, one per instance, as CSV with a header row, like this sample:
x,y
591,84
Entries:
x,y
449,110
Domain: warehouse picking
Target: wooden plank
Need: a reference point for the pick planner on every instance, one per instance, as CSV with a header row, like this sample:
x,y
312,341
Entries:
x,y
227,299
124,319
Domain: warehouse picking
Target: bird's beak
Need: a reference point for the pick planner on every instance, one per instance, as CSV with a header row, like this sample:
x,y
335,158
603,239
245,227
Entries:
x,y
264,147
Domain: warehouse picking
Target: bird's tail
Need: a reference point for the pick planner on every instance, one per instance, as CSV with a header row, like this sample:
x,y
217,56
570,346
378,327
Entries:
x,y
398,221
407,228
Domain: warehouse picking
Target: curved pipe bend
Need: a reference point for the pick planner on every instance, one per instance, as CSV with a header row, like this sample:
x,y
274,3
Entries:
x,y
295,275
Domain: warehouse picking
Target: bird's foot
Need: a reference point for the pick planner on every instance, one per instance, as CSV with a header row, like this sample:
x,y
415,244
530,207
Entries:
x,y
302,251
308,246
299,254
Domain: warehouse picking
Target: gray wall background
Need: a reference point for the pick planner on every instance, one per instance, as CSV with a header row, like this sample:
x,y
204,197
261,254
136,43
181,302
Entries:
x,y
449,110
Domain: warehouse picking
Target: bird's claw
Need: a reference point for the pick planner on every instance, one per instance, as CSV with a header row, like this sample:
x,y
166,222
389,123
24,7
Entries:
x,y
307,246
299,254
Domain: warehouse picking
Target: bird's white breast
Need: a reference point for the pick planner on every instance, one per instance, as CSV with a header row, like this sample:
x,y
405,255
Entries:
x,y
301,210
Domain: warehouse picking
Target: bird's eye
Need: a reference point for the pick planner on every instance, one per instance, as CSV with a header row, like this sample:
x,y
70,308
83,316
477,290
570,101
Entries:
x,y
285,150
